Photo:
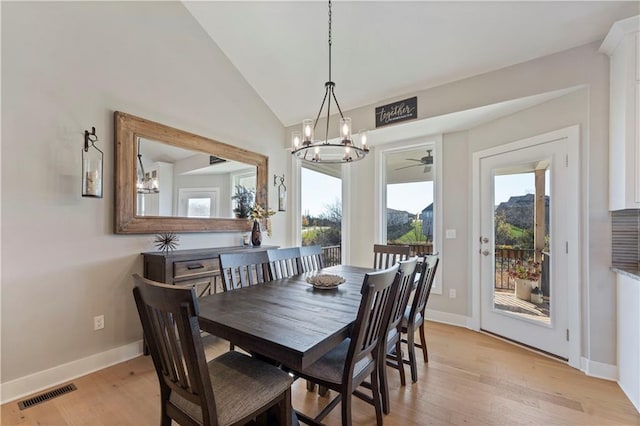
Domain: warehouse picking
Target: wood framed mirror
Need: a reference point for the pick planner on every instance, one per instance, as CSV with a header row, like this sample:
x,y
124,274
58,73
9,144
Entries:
x,y
169,180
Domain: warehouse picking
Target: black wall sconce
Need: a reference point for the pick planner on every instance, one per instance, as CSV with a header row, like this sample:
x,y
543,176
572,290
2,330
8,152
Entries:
x,y
282,192
92,159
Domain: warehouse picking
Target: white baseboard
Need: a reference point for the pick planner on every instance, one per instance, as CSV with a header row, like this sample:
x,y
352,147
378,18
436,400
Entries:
x,y
41,380
599,369
448,318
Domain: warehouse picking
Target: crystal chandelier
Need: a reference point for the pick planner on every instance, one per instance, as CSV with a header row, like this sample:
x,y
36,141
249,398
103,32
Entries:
x,y
318,151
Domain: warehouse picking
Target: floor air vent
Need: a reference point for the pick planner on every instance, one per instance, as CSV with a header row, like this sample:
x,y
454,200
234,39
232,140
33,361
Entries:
x,y
43,397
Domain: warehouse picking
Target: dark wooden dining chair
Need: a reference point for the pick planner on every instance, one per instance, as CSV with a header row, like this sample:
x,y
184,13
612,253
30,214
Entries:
x,y
385,256
231,389
354,360
240,270
284,262
414,315
392,348
311,258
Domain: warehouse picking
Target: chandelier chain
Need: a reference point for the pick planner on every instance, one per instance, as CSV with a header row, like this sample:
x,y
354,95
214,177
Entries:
x,y
329,40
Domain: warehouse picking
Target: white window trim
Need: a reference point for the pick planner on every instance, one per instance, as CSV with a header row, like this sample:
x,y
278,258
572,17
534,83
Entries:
x,y
183,192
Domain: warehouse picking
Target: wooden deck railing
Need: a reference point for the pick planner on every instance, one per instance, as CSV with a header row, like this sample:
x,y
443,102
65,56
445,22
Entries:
x,y
421,248
505,259
332,255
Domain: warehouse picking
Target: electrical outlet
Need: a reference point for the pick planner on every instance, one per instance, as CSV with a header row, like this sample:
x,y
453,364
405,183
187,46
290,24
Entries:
x,y
450,234
452,293
98,322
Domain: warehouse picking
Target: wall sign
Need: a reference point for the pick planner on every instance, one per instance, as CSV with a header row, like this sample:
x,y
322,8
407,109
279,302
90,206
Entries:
x,y
396,112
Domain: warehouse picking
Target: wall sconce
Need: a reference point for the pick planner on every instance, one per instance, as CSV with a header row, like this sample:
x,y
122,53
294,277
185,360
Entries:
x,y
92,159
282,192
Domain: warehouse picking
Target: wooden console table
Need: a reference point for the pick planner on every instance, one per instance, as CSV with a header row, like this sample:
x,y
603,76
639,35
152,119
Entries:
x,y
195,267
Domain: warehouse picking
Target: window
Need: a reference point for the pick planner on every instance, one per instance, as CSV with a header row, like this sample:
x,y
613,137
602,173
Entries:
x,y
321,208
198,202
409,198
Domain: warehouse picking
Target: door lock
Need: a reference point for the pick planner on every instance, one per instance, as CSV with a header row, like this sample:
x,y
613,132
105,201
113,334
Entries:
x,y
484,240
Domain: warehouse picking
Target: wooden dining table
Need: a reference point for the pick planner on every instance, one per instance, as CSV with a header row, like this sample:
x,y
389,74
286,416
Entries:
x,y
286,320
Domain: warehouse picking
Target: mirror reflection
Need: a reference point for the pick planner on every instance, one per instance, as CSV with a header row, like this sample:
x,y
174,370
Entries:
x,y
173,181
170,180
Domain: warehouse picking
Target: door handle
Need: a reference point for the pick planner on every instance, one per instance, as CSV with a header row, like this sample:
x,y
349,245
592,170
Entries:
x,y
486,252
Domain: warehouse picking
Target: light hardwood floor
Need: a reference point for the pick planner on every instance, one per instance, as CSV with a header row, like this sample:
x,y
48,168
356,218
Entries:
x,y
471,378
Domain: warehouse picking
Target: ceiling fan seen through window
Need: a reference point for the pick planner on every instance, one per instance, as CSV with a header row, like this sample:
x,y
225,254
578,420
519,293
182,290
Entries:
x,y
426,161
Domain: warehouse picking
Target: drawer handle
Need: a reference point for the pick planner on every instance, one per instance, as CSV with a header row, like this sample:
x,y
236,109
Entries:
x,y
195,266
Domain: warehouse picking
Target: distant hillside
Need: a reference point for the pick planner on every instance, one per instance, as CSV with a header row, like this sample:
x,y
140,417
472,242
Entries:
x,y
519,211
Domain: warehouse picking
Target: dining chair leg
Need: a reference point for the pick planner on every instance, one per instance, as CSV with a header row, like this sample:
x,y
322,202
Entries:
x,y
285,411
412,354
346,408
423,344
310,386
165,420
384,383
375,391
403,380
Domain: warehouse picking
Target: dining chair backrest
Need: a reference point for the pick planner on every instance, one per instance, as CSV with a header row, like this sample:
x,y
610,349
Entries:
x,y
169,316
378,293
311,258
284,262
408,269
385,256
241,270
423,288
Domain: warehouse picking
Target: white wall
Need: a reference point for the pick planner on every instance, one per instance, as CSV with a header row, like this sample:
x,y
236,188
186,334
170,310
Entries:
x,y
67,67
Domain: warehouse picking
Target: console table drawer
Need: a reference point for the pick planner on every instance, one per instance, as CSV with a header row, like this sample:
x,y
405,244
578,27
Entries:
x,y
192,268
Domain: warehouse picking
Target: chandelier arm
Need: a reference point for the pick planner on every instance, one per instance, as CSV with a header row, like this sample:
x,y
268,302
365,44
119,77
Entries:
x,y
326,92
337,104
140,159
326,130
141,166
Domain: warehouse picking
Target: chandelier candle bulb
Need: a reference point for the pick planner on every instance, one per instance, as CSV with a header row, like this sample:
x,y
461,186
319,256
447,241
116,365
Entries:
x,y
363,139
345,126
295,138
347,154
307,129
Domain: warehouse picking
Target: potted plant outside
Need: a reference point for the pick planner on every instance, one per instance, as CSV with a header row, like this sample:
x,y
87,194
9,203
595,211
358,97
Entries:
x,y
526,274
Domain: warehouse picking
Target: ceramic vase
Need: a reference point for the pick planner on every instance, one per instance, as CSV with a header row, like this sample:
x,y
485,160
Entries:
x,y
256,234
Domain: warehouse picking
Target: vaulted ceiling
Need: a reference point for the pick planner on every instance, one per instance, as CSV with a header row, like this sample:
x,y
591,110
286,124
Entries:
x,y
384,49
